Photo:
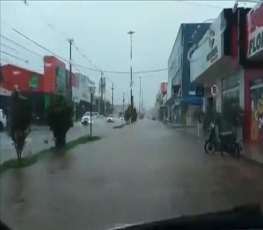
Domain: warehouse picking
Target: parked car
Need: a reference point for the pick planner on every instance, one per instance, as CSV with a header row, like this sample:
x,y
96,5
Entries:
x,y
86,119
122,119
110,118
2,120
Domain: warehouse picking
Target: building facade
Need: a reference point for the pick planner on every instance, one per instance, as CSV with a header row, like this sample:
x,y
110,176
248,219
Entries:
x,y
40,87
231,56
251,58
180,91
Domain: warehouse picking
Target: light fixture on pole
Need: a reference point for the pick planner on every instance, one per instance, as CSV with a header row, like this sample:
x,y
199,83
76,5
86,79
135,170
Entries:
x,y
131,33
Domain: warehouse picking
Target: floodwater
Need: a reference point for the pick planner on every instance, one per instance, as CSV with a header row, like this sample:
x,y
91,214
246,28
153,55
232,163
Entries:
x,y
142,172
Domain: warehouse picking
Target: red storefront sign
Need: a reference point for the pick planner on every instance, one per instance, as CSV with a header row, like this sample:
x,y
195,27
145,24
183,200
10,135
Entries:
x,y
255,32
55,75
26,80
163,88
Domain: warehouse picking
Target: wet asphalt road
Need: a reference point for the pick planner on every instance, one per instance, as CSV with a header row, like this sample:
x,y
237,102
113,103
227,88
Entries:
x,y
142,172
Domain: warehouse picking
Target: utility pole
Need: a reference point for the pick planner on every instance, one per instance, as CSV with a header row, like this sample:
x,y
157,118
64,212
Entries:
x,y
112,96
142,103
92,91
101,93
123,100
131,33
140,93
70,57
70,40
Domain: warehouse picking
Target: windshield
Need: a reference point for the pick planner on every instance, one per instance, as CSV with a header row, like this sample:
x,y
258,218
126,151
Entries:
x,y
175,89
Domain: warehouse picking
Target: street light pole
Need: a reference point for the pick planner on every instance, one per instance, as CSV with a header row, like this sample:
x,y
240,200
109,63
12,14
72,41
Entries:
x,y
140,93
101,93
112,96
123,100
131,33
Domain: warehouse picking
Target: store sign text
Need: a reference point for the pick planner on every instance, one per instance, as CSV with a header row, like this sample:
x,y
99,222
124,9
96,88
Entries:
x,y
213,54
255,30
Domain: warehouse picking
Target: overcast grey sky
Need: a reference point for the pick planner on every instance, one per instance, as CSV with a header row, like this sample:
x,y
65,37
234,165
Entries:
x,y
99,30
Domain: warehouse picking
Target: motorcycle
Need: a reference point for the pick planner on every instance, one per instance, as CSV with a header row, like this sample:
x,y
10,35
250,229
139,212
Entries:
x,y
227,142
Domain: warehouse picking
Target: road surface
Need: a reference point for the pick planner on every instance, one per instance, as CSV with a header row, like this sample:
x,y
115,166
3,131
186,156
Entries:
x,y
142,172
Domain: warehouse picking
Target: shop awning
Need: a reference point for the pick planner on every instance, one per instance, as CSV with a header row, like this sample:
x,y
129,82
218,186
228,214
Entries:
x,y
192,101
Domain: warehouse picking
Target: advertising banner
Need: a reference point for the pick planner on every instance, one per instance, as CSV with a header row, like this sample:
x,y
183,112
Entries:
x,y
54,76
255,32
60,81
210,48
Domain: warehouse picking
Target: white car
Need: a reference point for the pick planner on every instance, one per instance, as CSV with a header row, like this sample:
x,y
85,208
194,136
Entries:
x,y
86,120
2,120
110,118
122,119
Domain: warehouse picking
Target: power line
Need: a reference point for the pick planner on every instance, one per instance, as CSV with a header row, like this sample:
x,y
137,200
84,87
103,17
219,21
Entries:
x,y
58,31
14,56
29,50
82,66
36,43
205,5
9,47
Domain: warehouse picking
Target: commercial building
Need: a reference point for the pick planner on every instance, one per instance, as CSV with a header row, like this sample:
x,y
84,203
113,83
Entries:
x,y
230,55
84,87
30,83
180,91
251,58
40,87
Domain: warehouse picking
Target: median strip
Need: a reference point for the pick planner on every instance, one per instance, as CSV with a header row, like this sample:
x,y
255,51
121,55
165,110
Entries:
x,y
30,160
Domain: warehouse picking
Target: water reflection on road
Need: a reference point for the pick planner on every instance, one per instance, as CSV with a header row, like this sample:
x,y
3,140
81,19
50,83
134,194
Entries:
x,y
142,172
60,160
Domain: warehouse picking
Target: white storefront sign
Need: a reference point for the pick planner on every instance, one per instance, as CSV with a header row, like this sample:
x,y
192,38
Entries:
x,y
209,50
75,94
255,31
84,87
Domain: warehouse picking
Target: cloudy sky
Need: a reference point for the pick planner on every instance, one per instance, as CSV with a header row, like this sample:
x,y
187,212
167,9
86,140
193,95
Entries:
x,y
99,30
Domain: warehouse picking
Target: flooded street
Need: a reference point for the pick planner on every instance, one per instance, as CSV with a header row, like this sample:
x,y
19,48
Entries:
x,y
142,172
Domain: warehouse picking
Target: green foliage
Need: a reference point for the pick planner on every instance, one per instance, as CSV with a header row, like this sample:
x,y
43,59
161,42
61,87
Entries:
x,y
133,115
60,119
20,119
130,114
81,140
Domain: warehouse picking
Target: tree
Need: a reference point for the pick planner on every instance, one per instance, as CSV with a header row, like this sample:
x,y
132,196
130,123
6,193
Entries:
x,y
20,119
60,119
133,115
130,114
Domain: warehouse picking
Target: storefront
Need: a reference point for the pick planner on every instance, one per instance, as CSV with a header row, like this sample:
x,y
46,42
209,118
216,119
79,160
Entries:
x,y
212,62
254,76
30,84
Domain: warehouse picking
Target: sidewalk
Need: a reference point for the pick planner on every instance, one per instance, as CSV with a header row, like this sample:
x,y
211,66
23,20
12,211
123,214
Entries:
x,y
252,151
35,141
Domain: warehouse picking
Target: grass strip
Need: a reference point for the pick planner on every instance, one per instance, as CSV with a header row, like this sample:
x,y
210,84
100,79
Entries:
x,y
30,160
